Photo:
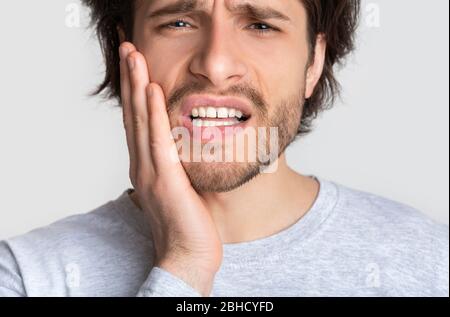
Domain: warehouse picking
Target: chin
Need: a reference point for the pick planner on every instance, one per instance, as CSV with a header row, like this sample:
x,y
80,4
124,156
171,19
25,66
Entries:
x,y
220,177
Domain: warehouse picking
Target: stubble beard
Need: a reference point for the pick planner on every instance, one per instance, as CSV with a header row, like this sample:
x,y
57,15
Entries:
x,y
228,176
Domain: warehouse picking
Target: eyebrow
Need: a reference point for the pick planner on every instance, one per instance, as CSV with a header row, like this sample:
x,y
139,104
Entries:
x,y
259,12
178,7
189,6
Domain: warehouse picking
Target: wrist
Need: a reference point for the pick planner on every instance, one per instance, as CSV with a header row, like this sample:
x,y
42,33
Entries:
x,y
196,276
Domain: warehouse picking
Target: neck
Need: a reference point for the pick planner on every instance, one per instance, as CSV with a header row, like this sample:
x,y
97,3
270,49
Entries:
x,y
264,206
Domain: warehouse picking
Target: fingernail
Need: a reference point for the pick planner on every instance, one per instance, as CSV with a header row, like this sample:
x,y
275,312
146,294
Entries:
x,y
131,63
123,52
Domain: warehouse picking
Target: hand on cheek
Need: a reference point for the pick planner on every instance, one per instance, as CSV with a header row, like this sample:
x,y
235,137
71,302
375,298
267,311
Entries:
x,y
185,237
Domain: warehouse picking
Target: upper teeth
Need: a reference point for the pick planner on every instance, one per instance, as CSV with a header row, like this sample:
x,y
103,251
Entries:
x,y
212,112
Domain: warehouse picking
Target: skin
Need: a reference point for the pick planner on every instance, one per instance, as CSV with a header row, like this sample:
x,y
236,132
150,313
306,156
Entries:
x,y
190,226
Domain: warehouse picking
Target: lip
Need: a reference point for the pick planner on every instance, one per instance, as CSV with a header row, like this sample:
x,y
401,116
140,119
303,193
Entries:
x,y
196,101
198,133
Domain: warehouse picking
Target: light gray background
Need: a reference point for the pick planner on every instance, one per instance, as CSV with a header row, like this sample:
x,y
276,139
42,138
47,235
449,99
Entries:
x,y
63,153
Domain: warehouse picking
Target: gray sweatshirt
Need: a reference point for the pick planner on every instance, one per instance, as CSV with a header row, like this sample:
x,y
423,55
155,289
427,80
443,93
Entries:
x,y
350,243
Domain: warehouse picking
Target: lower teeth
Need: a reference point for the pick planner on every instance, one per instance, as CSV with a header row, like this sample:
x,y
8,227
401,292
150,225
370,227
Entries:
x,y
201,123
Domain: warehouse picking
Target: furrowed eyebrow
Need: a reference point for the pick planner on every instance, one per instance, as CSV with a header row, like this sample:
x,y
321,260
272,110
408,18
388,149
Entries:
x,y
188,6
259,12
178,7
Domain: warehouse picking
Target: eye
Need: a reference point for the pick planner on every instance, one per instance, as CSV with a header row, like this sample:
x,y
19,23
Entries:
x,y
262,28
178,24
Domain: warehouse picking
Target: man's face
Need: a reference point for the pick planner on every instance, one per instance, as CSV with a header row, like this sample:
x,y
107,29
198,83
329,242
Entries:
x,y
219,48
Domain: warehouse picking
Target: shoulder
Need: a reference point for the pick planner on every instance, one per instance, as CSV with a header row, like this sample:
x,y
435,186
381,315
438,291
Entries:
x,y
80,227
87,235
411,248
386,218
38,262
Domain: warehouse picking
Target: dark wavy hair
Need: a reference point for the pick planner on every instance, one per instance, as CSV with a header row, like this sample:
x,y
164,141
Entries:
x,y
337,20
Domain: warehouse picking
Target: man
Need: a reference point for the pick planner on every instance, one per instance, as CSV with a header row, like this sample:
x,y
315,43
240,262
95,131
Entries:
x,y
199,75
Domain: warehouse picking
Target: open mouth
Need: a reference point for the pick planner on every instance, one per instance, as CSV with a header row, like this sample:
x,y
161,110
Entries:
x,y
217,117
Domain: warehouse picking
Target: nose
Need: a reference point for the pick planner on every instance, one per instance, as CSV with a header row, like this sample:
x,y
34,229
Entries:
x,y
218,58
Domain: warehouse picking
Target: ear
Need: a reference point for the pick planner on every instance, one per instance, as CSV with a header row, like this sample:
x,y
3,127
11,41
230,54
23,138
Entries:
x,y
316,66
121,33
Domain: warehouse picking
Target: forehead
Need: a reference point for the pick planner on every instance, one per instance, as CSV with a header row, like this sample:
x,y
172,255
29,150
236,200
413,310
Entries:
x,y
266,9
209,4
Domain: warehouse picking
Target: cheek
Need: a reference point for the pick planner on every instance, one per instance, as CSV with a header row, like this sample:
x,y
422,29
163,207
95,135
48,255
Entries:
x,y
164,58
280,74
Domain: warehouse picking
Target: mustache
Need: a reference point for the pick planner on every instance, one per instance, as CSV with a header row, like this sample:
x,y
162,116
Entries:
x,y
241,90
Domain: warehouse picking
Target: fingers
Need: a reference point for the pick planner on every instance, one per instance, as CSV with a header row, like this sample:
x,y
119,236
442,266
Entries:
x,y
125,49
151,146
162,145
139,80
